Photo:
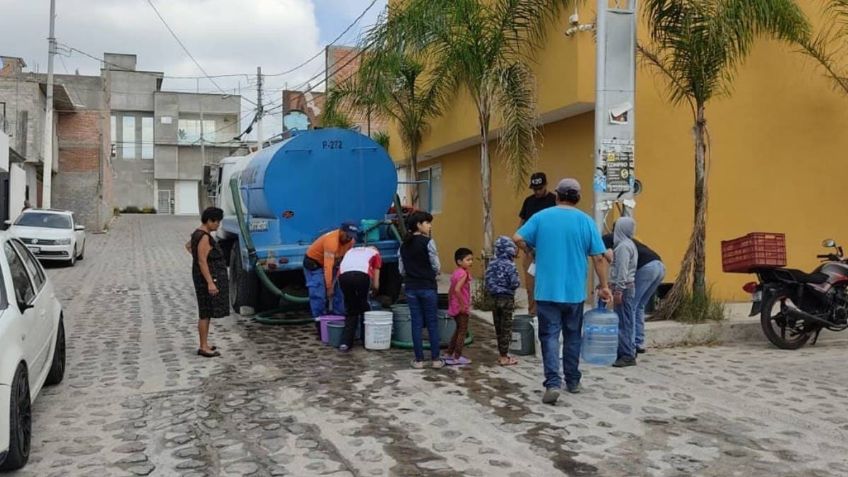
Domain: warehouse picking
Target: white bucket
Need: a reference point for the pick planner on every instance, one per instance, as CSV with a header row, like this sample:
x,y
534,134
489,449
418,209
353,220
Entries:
x,y
378,329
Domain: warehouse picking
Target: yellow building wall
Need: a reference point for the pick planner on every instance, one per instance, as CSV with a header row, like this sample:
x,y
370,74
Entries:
x,y
566,151
776,163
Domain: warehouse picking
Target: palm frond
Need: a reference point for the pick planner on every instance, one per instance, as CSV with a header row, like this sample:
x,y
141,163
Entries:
x,y
702,43
677,90
516,105
829,46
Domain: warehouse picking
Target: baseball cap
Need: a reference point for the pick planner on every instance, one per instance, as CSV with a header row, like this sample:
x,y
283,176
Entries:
x,y
349,227
567,185
538,179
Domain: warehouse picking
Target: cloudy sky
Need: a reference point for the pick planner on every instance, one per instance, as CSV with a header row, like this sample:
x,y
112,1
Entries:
x,y
225,36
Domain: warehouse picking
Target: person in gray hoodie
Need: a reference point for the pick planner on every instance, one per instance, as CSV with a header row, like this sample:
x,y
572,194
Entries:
x,y
622,279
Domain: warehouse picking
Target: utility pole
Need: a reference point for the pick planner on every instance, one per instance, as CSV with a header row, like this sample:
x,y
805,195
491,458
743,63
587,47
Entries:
x,y
47,175
260,111
615,97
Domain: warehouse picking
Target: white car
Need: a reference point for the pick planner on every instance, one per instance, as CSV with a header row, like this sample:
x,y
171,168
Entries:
x,y
51,234
32,346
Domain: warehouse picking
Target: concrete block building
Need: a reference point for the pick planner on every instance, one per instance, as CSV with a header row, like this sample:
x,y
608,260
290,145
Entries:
x,y
162,141
119,140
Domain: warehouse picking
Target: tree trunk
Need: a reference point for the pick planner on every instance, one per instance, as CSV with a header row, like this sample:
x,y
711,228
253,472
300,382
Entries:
x,y
699,233
692,268
486,184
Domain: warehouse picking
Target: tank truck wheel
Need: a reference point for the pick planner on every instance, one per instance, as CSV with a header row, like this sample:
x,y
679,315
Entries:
x,y
244,286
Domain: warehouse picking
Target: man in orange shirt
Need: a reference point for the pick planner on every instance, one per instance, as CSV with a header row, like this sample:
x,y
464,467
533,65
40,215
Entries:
x,y
321,265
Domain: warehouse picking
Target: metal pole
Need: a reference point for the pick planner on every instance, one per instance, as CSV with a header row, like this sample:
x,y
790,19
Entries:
x,y
615,100
600,104
259,109
47,175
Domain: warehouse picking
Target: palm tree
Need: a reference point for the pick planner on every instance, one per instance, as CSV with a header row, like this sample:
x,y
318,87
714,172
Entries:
x,y
829,47
697,46
484,47
391,83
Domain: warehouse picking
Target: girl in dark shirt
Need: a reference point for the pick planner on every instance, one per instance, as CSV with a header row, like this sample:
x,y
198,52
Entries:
x,y
419,264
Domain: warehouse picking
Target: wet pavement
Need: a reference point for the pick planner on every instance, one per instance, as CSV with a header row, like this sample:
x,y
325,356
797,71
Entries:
x,y
136,399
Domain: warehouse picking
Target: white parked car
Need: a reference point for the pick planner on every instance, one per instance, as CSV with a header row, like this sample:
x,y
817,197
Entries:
x,y
51,234
32,346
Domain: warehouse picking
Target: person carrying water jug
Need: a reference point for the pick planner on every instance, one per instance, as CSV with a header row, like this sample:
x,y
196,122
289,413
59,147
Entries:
x,y
623,278
563,237
650,272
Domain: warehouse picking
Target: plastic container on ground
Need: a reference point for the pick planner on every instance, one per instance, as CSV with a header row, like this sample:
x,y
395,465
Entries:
x,y
370,230
378,330
600,337
335,330
324,320
447,326
402,329
537,345
523,336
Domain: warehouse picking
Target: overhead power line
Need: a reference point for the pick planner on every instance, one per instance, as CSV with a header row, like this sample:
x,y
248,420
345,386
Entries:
x,y
339,37
182,45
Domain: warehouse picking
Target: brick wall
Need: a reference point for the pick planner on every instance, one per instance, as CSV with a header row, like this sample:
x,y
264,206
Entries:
x,y
342,62
82,140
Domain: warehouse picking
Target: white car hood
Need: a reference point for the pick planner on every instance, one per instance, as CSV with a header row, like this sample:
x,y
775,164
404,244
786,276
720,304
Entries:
x,y
40,232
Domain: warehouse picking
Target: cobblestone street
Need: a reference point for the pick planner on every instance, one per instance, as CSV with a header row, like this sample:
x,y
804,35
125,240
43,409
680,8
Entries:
x,y
137,400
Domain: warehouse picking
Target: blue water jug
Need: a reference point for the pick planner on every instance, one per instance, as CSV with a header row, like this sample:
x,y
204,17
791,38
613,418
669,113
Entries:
x,y
600,336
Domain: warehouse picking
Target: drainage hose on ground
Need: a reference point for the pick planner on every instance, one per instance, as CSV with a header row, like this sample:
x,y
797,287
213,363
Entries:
x,y
469,338
267,317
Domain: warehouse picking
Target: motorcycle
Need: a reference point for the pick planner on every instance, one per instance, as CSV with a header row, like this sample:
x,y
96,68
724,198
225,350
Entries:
x,y
795,306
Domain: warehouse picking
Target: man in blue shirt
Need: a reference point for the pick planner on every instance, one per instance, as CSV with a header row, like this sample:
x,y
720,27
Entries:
x,y
562,238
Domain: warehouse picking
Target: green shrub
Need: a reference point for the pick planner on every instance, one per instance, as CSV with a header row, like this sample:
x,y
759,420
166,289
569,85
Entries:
x,y
116,211
699,308
480,298
148,210
131,209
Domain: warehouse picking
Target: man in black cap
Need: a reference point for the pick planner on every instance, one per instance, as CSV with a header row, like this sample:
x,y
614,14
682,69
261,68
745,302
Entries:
x,y
541,199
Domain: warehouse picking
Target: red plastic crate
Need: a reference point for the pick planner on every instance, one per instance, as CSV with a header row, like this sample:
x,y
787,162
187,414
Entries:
x,y
755,250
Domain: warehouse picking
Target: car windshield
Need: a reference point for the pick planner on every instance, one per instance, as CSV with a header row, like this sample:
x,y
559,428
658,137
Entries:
x,y
50,221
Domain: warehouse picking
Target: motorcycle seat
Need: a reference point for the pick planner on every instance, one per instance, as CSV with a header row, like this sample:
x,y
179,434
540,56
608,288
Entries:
x,y
803,277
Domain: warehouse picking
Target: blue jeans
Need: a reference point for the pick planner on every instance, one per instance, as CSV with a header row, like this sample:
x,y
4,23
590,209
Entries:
x,y
626,314
423,308
318,294
648,279
556,318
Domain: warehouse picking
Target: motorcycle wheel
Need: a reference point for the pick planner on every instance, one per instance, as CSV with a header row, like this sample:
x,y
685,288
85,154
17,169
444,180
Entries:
x,y
777,326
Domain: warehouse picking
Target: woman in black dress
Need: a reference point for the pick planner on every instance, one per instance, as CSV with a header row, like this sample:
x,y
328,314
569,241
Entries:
x,y
209,272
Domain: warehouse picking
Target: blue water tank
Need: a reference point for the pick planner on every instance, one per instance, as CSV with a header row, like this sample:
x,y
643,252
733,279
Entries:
x,y
312,182
600,337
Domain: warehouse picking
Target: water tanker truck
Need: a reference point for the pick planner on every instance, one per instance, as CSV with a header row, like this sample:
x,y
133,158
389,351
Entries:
x,y
280,199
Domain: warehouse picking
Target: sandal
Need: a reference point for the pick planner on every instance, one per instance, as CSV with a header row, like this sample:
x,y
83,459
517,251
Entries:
x,y
207,354
507,361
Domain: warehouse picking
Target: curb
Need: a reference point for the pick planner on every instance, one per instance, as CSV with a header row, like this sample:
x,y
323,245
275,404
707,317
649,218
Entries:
x,y
673,334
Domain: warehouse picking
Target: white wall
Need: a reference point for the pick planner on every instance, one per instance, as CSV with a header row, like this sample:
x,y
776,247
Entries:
x,y
4,152
17,189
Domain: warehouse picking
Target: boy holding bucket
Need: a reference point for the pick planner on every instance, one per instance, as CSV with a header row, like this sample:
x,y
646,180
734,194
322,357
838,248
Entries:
x,y
359,270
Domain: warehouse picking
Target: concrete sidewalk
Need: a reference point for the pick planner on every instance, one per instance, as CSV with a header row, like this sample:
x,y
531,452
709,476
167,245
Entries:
x,y
738,327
